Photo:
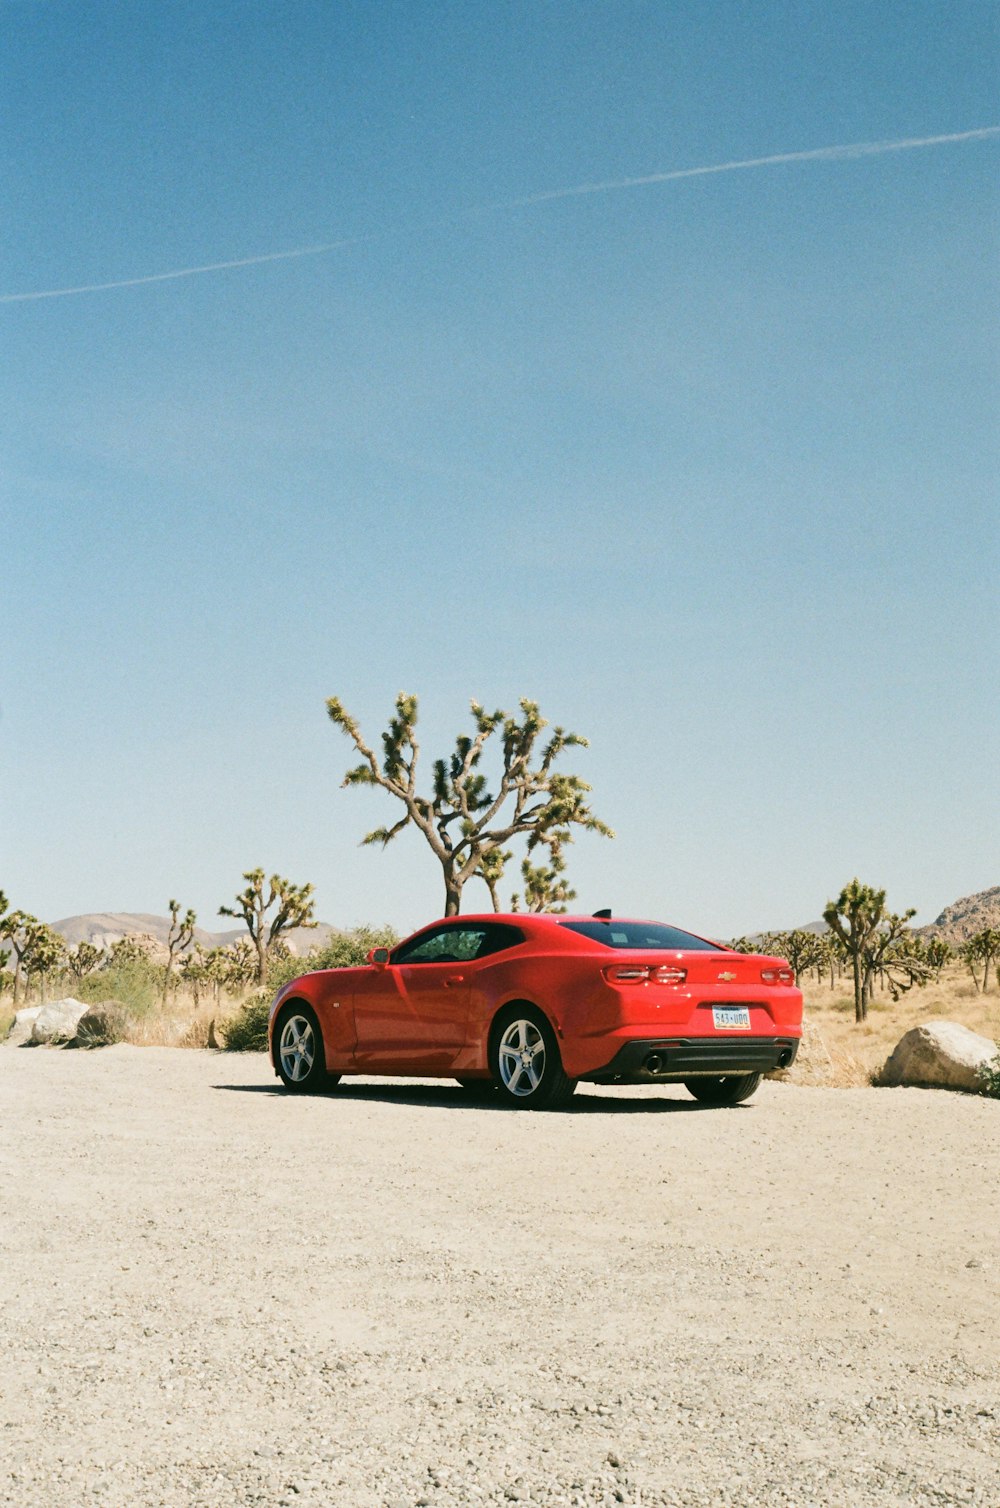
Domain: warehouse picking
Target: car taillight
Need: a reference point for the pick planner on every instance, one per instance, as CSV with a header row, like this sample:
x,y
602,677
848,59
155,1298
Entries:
x,y
667,973
778,976
644,973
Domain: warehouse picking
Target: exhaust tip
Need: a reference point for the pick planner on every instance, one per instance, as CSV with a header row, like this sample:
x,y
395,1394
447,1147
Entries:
x,y
654,1063
786,1058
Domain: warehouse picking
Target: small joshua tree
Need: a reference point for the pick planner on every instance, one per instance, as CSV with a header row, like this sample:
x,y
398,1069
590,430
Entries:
x,y
84,959
466,824
42,952
939,953
4,952
216,966
295,909
982,948
803,950
179,940
242,967
194,973
19,928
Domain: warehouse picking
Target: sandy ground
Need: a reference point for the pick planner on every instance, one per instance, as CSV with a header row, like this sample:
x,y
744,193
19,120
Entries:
x,y
216,1293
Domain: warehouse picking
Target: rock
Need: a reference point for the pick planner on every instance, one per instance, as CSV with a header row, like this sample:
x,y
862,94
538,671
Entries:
x,y
939,1053
57,1021
101,1024
20,1027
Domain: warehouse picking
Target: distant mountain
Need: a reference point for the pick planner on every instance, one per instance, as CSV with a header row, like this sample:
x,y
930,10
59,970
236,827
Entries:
x,y
961,919
103,928
818,927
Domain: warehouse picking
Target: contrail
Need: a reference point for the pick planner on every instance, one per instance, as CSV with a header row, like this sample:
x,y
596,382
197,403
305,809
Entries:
x,y
846,153
817,154
185,272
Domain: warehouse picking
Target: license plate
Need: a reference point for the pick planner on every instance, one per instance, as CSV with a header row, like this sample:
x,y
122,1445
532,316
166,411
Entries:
x,y
731,1018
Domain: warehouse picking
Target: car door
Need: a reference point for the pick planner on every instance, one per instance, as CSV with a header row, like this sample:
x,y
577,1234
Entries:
x,y
413,1014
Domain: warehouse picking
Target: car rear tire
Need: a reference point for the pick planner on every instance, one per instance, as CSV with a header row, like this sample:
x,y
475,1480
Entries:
x,y
725,1089
525,1061
299,1059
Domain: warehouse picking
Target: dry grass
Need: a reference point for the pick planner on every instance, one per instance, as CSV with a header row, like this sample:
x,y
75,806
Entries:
x,y
838,1052
181,1024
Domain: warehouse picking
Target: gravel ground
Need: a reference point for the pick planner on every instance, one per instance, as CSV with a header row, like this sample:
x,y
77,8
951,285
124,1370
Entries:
x,y
216,1293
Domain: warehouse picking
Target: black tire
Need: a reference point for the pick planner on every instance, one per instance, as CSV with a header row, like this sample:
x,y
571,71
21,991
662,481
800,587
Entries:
x,y
520,1039
299,1058
726,1089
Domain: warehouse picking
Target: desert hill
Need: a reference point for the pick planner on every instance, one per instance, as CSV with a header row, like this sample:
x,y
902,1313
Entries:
x,y
961,919
103,928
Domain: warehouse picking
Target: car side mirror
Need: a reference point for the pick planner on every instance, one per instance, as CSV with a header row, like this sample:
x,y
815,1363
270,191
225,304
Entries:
x,y
379,957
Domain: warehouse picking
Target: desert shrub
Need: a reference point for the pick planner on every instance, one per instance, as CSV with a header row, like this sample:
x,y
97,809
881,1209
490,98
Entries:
x,y
102,1024
989,1077
135,983
246,1031
341,952
352,947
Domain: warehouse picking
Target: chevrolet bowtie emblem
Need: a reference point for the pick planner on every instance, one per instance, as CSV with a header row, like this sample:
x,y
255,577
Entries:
x,y
727,976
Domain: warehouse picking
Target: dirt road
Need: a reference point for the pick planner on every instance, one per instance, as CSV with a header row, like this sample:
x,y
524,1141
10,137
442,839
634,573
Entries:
x,y
214,1293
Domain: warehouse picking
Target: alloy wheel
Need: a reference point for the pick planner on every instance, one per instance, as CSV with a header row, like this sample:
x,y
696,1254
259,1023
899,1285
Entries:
x,y
521,1058
297,1048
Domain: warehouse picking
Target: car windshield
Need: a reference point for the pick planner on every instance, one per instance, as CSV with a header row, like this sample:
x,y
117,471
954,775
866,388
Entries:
x,y
640,935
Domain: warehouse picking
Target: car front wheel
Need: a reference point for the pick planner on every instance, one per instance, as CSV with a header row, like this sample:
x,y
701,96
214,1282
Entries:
x,y
724,1089
298,1052
525,1062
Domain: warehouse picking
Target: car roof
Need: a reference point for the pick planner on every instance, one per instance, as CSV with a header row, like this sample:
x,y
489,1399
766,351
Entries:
x,y
549,919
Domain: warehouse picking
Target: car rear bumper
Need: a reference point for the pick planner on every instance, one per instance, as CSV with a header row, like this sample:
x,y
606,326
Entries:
x,y
657,1060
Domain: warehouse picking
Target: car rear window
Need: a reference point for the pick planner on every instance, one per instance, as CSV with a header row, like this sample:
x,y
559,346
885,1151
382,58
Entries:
x,y
652,935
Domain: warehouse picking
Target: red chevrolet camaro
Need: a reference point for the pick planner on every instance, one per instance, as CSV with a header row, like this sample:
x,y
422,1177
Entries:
x,y
526,1006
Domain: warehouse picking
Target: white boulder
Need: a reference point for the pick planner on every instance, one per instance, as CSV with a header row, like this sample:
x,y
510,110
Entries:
x,y
56,1022
939,1053
20,1027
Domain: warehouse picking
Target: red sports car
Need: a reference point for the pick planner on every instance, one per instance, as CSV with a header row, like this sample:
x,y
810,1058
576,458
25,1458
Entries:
x,y
529,1005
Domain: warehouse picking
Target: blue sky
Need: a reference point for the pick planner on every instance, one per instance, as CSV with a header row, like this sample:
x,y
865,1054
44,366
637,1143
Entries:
x,y
707,467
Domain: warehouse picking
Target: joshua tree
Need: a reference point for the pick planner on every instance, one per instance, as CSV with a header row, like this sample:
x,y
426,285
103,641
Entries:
x,y
939,953
295,909
42,951
216,966
179,939
4,952
461,820
242,965
194,973
854,917
83,959
804,950
128,950
982,947
18,928
895,956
